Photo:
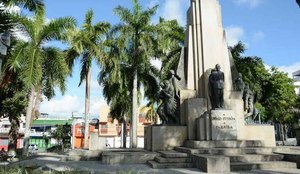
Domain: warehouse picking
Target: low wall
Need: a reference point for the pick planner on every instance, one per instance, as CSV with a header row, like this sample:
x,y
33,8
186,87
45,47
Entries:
x,y
164,137
96,142
265,133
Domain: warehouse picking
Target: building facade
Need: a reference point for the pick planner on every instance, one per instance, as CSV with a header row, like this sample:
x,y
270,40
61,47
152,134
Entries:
x,y
4,130
296,76
43,127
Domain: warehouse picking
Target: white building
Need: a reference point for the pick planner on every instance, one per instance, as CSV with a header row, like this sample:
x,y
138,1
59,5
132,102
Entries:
x,y
296,76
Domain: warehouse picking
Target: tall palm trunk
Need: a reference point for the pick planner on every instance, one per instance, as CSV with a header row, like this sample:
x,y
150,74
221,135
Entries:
x,y
87,108
28,120
13,134
133,136
124,133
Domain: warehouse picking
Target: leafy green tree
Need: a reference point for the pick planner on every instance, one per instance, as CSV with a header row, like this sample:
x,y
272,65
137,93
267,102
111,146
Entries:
x,y
31,5
115,78
169,42
137,35
280,97
38,65
5,17
298,2
274,90
13,102
46,140
86,43
63,136
253,69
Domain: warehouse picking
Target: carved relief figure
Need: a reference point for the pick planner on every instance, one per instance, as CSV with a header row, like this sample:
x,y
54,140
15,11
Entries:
x,y
168,110
239,84
248,98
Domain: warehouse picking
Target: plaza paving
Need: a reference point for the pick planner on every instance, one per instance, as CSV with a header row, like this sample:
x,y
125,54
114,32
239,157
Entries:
x,y
95,167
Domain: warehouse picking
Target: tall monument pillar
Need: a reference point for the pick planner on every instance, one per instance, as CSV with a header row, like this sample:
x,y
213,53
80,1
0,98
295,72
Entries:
x,y
207,46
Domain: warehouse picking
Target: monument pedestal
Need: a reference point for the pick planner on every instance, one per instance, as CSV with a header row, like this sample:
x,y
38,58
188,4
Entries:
x,y
223,125
217,125
161,138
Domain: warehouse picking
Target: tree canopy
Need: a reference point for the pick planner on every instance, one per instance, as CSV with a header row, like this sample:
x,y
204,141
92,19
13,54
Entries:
x,y
274,90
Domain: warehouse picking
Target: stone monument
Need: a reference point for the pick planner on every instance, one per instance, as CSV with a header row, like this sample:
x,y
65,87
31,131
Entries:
x,y
206,46
211,107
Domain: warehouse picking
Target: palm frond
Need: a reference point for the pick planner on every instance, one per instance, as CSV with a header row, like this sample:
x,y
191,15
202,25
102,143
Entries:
x,y
56,29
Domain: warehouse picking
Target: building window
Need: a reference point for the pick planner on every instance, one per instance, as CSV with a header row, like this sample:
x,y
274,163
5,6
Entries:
x,y
104,126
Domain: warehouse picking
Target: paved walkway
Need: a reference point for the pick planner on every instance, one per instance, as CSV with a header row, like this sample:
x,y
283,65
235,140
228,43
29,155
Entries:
x,y
95,167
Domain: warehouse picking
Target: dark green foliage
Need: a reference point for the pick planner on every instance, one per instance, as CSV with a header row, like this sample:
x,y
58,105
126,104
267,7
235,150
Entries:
x,y
13,102
280,97
298,2
130,46
31,5
63,135
274,90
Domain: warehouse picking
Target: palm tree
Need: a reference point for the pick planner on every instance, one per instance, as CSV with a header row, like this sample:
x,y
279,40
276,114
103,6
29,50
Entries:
x,y
114,79
31,5
169,42
136,34
86,43
33,59
5,20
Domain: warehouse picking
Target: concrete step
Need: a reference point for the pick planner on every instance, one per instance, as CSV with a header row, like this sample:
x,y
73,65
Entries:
x,y
189,150
226,151
173,154
156,165
229,144
242,166
172,160
130,157
255,157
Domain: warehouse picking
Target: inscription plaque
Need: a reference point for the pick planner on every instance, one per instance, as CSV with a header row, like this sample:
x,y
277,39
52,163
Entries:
x,y
223,125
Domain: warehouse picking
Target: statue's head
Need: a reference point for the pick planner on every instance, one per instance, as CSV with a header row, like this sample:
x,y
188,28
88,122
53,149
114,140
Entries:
x,y
218,67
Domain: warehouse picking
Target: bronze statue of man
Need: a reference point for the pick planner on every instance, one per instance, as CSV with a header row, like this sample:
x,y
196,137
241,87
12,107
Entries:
x,y
216,83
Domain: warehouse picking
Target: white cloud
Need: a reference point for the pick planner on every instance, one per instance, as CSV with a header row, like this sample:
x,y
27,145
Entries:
x,y
62,107
258,36
250,3
156,63
96,106
234,34
95,85
173,9
290,68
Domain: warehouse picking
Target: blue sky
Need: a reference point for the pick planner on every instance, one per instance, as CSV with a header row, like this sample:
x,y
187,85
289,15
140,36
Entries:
x,y
270,29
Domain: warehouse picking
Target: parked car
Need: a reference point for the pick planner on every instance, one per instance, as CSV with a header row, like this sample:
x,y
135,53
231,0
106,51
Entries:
x,y
33,147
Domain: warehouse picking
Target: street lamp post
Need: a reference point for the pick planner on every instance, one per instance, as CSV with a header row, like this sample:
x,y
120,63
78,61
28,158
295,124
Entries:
x,y
4,44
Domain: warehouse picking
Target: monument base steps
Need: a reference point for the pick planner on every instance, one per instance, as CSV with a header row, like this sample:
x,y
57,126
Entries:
x,y
233,156
171,159
127,157
240,166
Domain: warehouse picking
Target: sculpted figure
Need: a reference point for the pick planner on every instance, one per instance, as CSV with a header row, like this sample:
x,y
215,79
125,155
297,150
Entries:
x,y
239,84
216,85
248,98
168,110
